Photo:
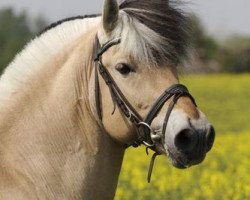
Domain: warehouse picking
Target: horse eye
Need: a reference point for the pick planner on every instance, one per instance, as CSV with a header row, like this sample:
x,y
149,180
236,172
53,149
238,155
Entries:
x,y
124,69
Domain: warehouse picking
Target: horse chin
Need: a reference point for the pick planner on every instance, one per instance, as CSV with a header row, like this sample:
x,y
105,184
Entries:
x,y
181,161
178,164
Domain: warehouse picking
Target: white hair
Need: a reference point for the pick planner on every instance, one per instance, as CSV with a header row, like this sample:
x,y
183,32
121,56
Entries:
x,y
39,51
150,36
137,39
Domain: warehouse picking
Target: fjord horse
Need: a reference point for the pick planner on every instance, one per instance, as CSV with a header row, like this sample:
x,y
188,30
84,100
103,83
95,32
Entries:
x,y
88,88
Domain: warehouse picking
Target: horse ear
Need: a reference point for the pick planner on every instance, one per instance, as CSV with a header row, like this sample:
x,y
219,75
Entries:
x,y
110,15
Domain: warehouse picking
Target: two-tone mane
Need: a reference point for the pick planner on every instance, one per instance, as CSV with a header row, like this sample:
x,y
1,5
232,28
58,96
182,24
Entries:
x,y
154,32
120,66
159,26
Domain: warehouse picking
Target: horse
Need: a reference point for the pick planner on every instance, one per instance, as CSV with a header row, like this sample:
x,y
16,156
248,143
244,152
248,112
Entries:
x,y
87,88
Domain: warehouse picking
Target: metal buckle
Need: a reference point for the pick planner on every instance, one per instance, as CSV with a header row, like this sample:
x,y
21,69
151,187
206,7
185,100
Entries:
x,y
145,125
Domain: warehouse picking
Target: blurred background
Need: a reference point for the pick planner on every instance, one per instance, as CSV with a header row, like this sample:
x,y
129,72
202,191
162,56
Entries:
x,y
221,29
217,75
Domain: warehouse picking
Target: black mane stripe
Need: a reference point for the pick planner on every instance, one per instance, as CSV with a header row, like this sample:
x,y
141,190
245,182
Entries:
x,y
55,24
162,17
166,19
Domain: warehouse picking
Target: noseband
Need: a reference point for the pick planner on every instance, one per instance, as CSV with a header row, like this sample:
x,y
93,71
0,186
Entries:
x,y
146,134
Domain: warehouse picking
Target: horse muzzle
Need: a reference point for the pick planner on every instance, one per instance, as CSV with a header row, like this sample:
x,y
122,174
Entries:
x,y
188,141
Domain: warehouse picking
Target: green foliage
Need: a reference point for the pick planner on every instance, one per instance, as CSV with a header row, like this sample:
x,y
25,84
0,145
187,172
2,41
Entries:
x,y
235,54
225,174
203,43
15,31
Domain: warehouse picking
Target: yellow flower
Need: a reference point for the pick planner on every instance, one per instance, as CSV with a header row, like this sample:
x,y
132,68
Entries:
x,y
224,175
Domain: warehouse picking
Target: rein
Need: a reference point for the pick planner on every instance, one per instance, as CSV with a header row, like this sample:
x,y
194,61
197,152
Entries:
x,y
146,135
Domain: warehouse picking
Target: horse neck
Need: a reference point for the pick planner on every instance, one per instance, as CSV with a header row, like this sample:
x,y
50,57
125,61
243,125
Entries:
x,y
54,136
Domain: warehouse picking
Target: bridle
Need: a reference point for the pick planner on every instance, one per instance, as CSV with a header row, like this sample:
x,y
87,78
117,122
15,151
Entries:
x,y
146,135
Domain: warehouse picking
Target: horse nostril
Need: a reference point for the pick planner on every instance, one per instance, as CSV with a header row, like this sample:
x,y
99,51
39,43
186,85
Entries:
x,y
210,136
186,140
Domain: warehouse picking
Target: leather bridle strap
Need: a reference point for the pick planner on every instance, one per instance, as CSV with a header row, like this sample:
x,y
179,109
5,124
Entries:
x,y
117,96
176,90
97,95
177,95
146,135
145,132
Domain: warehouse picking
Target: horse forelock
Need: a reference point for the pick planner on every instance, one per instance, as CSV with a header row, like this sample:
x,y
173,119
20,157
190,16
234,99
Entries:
x,y
158,30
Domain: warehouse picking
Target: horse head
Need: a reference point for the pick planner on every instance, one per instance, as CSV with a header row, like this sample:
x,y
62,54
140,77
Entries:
x,y
139,45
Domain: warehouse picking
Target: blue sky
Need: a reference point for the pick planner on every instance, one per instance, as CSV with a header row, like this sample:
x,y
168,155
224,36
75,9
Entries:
x,y
220,17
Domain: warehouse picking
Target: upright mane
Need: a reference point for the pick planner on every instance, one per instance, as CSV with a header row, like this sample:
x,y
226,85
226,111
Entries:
x,y
40,50
78,95
154,31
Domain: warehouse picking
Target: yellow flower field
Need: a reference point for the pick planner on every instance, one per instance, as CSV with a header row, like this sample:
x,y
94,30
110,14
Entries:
x,y
225,174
